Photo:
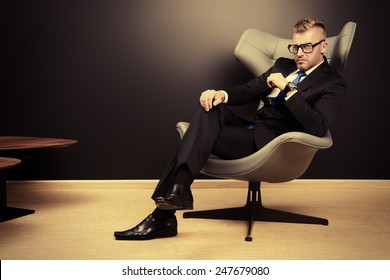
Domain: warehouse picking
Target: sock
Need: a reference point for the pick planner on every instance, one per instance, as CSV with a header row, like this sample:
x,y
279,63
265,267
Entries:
x,y
184,176
161,215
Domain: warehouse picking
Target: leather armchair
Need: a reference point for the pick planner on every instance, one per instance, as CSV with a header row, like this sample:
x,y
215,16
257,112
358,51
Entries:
x,y
291,152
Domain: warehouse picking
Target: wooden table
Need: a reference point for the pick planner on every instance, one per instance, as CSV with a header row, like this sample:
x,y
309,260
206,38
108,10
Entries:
x,y
8,143
21,143
7,213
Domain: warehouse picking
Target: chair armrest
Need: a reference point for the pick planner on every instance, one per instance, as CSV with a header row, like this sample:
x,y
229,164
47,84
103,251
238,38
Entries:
x,y
291,152
323,142
294,136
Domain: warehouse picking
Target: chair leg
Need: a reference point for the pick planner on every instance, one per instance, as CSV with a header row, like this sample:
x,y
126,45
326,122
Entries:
x,y
252,211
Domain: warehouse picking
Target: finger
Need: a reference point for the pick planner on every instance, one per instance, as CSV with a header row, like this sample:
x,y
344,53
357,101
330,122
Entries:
x,y
269,82
202,104
217,101
209,103
203,100
205,104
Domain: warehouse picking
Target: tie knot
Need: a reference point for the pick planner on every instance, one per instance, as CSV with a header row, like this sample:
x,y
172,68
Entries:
x,y
300,75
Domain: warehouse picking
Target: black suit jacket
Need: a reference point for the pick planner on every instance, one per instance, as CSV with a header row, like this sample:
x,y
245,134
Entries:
x,y
312,109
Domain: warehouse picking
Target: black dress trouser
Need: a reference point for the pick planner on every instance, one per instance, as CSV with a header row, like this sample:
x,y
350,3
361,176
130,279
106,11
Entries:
x,y
219,132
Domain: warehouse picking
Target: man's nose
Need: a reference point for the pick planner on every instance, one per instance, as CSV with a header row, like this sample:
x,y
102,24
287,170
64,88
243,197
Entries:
x,y
300,51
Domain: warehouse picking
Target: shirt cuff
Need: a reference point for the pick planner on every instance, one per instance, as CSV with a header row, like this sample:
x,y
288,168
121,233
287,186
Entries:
x,y
226,96
289,96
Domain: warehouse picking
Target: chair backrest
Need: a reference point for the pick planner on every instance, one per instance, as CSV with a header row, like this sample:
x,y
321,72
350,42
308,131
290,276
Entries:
x,y
292,151
257,50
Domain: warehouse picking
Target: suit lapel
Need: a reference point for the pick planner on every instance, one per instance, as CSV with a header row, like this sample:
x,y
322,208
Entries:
x,y
315,76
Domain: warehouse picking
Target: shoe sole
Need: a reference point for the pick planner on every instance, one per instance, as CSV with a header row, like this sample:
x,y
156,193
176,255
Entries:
x,y
167,205
170,233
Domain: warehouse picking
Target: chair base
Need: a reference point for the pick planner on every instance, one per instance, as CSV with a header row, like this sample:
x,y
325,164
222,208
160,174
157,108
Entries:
x,y
255,211
9,213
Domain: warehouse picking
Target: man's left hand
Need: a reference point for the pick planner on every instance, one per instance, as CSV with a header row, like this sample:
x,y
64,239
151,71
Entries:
x,y
276,80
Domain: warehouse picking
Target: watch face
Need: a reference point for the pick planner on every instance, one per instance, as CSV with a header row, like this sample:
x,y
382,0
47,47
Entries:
x,y
292,85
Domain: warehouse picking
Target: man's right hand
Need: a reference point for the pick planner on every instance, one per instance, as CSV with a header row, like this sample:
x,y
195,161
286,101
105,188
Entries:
x,y
210,98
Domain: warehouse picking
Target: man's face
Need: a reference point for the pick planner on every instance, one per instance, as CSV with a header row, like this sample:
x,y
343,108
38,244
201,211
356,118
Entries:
x,y
305,61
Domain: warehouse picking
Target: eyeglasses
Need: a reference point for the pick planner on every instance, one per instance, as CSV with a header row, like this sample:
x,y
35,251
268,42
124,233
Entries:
x,y
306,48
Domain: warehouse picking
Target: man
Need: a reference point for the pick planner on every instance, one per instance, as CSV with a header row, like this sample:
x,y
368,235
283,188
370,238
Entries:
x,y
300,94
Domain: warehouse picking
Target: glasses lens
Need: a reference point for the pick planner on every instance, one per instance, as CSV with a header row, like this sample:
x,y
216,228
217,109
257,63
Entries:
x,y
293,48
307,48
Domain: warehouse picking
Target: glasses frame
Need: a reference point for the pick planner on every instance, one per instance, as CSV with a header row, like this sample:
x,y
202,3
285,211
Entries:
x,y
301,46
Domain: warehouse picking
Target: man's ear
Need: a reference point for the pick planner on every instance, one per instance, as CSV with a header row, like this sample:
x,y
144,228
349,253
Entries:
x,y
324,47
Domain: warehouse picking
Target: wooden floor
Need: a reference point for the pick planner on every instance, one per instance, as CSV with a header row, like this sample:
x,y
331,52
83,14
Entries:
x,y
75,220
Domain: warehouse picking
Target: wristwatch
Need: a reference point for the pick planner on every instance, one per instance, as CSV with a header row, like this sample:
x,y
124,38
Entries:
x,y
290,87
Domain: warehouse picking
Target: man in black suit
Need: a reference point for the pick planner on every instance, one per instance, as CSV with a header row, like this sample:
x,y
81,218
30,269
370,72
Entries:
x,y
301,94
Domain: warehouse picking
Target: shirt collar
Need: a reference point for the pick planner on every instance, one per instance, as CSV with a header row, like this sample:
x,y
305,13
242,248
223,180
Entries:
x,y
311,69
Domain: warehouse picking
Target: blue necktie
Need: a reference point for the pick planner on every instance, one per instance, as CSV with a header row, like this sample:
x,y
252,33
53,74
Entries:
x,y
282,95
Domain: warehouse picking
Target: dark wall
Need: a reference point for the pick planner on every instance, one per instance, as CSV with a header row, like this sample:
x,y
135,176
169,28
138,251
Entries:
x,y
118,75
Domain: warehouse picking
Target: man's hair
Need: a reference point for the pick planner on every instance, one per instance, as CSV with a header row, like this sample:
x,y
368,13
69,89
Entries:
x,y
308,23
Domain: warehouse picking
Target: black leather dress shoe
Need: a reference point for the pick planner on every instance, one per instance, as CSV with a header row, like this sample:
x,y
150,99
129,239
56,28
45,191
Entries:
x,y
149,228
179,197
